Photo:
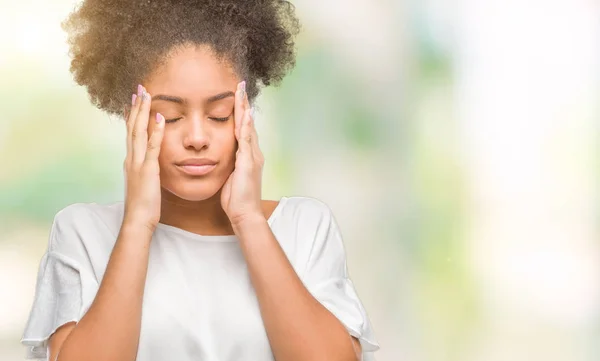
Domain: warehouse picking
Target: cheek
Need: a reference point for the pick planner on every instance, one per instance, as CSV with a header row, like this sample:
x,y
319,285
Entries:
x,y
165,156
232,144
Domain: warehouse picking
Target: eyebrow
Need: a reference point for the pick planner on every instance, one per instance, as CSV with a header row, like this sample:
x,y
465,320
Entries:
x,y
179,100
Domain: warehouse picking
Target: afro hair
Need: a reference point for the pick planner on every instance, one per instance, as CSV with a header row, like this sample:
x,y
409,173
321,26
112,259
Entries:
x,y
115,44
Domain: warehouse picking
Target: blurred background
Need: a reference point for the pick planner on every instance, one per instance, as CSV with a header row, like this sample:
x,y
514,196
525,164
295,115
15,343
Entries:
x,y
455,141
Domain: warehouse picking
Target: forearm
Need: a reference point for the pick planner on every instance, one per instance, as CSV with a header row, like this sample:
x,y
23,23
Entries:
x,y
110,328
299,328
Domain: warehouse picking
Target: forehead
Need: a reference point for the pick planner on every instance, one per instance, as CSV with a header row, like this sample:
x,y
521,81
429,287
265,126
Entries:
x,y
192,70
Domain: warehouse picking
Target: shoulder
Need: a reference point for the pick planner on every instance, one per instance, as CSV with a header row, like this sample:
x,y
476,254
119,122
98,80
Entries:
x,y
310,219
306,210
317,237
79,223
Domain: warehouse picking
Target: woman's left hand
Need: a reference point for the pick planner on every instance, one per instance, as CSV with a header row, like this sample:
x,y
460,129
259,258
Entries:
x,y
241,193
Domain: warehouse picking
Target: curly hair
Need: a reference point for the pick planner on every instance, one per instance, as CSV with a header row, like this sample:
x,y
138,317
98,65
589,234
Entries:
x,y
115,44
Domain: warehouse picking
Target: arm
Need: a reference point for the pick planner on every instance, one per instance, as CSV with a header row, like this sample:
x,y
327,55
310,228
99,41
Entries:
x,y
298,326
110,328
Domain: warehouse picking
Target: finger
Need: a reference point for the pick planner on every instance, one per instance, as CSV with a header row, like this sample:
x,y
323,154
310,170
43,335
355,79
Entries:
x,y
130,122
156,139
254,143
246,101
239,107
140,130
245,141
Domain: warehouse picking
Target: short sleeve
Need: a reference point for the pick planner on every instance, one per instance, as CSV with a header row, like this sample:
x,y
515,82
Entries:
x,y
326,278
65,289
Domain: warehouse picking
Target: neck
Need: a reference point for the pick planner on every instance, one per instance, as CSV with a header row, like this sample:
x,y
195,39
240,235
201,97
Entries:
x,y
205,217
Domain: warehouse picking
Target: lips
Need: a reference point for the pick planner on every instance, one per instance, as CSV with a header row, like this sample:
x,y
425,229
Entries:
x,y
197,170
197,162
196,166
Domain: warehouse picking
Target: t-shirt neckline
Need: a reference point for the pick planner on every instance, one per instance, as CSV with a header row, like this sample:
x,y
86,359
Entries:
x,y
219,238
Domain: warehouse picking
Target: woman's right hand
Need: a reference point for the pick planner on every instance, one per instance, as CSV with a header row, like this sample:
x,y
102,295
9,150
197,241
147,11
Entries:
x,y
140,168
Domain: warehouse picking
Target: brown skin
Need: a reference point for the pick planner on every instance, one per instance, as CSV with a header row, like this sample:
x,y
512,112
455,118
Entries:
x,y
194,203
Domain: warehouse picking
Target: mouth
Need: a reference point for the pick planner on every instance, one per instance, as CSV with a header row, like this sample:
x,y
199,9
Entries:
x,y
196,170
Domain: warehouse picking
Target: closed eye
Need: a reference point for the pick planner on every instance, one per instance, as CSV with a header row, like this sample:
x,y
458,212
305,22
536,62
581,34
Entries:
x,y
220,119
216,119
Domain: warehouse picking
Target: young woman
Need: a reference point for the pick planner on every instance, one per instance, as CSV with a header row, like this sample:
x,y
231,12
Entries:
x,y
193,264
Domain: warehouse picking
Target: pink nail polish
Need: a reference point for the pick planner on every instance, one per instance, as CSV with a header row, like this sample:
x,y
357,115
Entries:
x,y
140,89
158,117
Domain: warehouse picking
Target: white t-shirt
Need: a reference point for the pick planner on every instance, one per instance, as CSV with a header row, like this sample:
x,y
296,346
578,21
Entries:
x,y
199,303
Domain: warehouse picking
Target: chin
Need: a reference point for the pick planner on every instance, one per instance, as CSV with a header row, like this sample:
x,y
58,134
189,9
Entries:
x,y
193,190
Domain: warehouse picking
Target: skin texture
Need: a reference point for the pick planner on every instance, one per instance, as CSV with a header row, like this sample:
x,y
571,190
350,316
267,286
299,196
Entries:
x,y
110,328
194,74
211,47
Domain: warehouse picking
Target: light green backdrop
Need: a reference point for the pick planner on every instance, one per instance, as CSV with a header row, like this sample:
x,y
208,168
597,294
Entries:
x,y
455,142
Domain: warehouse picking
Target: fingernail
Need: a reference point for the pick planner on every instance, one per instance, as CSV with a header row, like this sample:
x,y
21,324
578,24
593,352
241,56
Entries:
x,y
133,97
140,89
158,117
243,88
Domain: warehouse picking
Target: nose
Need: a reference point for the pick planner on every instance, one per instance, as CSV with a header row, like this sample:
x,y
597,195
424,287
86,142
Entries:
x,y
196,133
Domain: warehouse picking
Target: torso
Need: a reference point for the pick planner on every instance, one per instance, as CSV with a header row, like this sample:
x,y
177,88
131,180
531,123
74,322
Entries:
x,y
199,300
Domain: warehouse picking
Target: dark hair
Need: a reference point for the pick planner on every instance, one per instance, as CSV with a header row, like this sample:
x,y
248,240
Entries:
x,y
114,44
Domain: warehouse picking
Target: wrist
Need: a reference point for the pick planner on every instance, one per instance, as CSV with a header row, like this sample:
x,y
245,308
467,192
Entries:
x,y
250,221
131,225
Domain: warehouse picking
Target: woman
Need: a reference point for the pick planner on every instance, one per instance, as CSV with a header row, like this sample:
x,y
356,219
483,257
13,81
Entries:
x,y
193,264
